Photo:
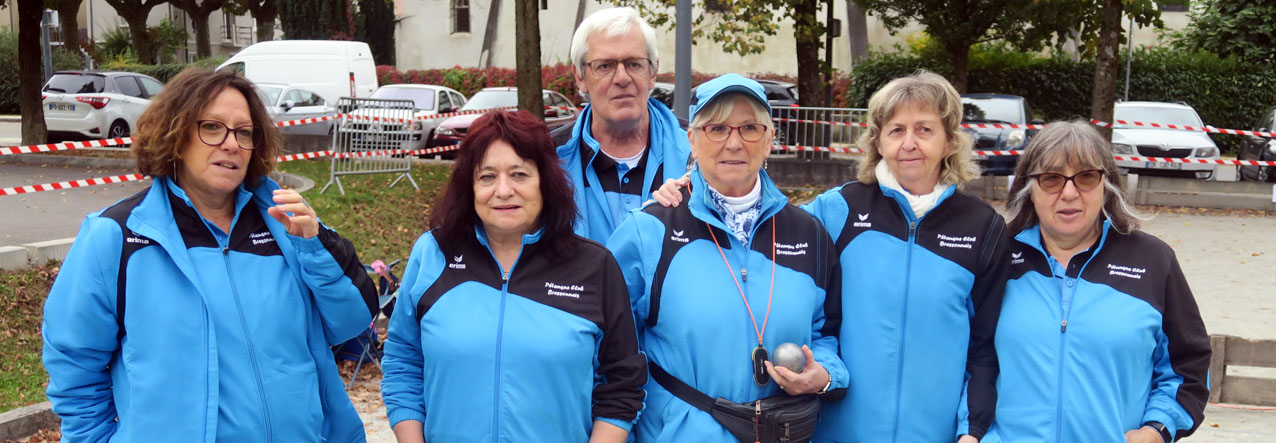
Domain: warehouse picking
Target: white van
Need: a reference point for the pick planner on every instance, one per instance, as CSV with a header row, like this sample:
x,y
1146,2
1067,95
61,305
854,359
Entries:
x,y
331,68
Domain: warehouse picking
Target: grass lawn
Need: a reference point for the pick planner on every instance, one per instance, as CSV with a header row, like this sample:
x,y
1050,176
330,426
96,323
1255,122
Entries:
x,y
22,377
382,222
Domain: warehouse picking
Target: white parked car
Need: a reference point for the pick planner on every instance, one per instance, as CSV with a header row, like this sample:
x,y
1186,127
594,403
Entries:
x,y
286,103
96,104
427,100
1145,141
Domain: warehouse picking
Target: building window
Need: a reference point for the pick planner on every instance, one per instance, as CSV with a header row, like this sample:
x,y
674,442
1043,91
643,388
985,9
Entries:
x,y
228,22
460,16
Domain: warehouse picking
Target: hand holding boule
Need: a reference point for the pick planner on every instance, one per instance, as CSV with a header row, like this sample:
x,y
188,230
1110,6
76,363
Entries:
x,y
789,356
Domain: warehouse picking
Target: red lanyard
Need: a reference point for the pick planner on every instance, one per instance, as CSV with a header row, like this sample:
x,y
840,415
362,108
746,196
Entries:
x,y
770,293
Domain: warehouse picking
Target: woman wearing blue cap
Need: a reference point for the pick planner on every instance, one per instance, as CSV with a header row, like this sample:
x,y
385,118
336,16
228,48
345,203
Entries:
x,y
719,283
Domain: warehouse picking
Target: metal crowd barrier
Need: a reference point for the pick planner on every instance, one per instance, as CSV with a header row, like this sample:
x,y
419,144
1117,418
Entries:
x,y
833,127
370,127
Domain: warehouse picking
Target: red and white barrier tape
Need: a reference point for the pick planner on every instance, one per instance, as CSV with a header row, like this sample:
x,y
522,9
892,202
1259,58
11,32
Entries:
x,y
135,177
65,146
863,125
304,121
72,184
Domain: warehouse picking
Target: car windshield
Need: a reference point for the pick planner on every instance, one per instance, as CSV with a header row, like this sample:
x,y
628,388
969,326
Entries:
x,y
270,94
422,99
75,83
1153,114
992,110
491,99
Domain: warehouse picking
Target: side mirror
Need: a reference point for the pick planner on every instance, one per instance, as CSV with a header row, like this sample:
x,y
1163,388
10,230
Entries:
x,y
551,113
288,105
1037,121
447,109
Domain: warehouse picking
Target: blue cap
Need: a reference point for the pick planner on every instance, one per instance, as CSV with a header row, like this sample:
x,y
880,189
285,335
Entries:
x,y
712,89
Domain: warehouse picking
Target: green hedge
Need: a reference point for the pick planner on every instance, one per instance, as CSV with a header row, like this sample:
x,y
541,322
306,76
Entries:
x,y
1227,93
9,69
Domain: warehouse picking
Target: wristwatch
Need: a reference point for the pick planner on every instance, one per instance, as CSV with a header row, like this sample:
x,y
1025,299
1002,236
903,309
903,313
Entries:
x,y
825,390
1160,428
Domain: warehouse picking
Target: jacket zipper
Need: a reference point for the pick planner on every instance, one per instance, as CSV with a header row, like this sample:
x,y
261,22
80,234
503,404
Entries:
x,y
500,334
1063,335
903,324
248,339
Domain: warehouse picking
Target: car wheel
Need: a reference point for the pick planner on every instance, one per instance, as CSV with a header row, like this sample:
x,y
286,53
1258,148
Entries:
x,y
119,129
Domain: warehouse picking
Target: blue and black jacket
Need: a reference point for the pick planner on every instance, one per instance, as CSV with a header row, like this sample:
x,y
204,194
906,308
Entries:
x,y
597,195
920,299
690,315
1128,348
186,333
537,354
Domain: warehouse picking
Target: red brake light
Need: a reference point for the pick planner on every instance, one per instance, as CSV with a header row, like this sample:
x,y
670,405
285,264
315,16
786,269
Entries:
x,y
43,97
95,102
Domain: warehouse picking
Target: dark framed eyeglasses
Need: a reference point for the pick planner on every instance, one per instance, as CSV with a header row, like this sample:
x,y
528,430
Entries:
x,y
719,132
214,133
1052,183
636,67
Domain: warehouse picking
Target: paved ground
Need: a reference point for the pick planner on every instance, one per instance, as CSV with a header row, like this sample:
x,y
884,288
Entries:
x,y
53,215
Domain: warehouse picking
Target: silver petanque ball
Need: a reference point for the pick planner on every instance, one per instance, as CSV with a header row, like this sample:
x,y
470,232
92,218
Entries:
x,y
790,356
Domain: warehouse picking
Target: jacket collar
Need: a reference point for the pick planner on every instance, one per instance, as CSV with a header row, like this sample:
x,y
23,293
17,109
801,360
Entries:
x,y
1031,236
701,203
906,207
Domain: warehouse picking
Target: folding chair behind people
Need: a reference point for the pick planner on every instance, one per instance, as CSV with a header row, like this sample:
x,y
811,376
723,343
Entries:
x,y
387,292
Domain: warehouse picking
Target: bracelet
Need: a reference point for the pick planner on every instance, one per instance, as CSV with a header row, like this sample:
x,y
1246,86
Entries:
x,y
826,386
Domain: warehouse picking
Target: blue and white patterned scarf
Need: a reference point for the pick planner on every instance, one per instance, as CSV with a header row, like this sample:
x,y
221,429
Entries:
x,y
740,223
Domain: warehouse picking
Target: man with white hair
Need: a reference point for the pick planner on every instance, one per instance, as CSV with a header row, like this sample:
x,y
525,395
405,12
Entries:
x,y
624,144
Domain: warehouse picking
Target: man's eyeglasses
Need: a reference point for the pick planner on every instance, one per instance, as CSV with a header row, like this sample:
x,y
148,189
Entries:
x,y
751,132
1053,183
636,67
213,133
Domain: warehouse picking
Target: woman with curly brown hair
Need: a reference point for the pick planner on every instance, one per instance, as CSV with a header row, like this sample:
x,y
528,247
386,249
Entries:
x,y
233,290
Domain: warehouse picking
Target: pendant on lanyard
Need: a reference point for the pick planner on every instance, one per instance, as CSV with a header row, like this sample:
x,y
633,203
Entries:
x,y
759,355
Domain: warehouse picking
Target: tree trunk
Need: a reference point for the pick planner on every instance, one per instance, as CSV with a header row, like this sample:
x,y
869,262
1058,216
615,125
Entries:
x,y
961,62
199,21
31,71
527,56
137,29
856,31
808,52
1105,66
265,14
489,34
580,14
68,11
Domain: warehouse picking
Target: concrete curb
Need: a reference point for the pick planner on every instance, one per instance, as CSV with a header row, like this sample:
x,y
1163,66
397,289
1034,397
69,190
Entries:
x,y
11,118
23,422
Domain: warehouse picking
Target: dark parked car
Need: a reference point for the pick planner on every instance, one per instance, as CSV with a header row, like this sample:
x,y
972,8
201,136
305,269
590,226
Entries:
x,y
451,131
1260,148
779,93
990,109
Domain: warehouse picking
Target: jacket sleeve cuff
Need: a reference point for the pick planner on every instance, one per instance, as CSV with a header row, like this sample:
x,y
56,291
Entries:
x,y
303,244
622,424
1161,417
401,414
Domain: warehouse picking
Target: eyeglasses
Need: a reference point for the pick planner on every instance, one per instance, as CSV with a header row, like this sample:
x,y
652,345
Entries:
x,y
636,67
213,133
1053,183
719,132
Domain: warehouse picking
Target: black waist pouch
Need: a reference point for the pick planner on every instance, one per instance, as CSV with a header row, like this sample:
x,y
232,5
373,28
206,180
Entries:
x,y
779,418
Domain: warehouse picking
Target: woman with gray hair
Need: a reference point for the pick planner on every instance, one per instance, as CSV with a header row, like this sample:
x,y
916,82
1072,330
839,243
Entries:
x,y
923,267
1100,339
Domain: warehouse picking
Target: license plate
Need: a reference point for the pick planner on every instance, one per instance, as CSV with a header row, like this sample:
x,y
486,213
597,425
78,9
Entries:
x,y
61,107
1156,165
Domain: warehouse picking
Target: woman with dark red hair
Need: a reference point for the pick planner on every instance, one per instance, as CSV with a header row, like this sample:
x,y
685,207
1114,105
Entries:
x,y
509,326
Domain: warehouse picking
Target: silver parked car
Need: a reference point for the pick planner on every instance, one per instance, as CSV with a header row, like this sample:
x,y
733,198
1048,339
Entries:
x,y
286,103
1145,141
